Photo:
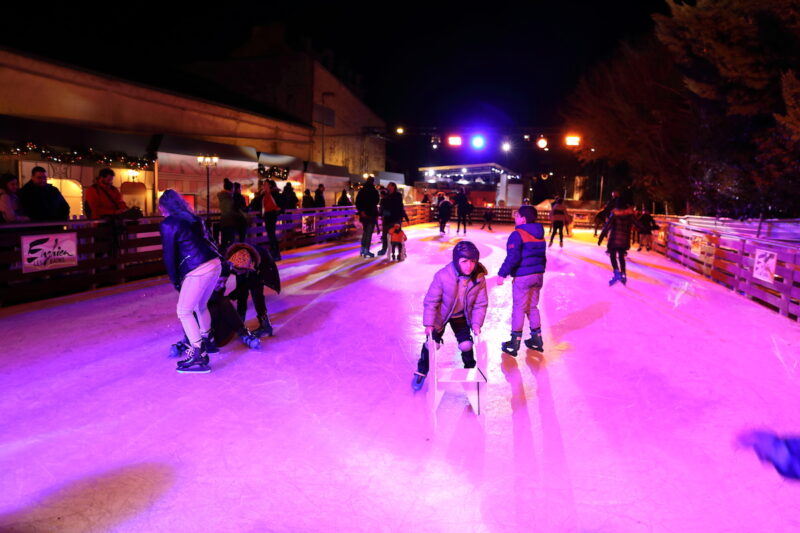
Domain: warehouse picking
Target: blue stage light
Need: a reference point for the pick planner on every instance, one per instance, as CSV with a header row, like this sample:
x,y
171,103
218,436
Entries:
x,y
478,142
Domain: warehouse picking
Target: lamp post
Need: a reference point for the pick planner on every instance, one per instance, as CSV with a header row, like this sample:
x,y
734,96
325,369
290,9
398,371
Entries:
x,y
208,161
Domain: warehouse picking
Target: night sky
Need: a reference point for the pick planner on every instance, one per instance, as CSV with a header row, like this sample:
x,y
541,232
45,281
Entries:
x,y
424,66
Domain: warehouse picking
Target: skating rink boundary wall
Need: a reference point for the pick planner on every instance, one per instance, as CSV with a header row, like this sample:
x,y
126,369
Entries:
x,y
767,271
112,253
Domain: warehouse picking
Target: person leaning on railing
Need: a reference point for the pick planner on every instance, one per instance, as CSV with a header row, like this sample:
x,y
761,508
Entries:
x,y
40,200
10,206
102,198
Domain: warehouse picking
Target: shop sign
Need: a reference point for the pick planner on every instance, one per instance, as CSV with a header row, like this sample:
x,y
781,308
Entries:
x,y
49,252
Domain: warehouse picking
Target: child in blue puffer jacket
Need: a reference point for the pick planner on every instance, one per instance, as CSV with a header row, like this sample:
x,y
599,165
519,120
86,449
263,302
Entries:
x,y
525,261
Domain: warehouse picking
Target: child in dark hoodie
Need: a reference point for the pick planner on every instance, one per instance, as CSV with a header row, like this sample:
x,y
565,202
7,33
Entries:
x,y
525,261
457,296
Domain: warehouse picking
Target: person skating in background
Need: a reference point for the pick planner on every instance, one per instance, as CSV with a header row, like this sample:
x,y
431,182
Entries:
x,y
367,201
558,217
254,269
392,212
270,211
648,226
599,220
194,266
230,217
240,205
398,238
488,217
462,209
10,206
526,259
618,228
444,212
456,296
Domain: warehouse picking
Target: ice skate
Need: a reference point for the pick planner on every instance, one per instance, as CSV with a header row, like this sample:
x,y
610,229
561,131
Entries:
x,y
511,347
535,342
195,362
250,340
615,279
623,278
209,346
417,381
264,327
177,349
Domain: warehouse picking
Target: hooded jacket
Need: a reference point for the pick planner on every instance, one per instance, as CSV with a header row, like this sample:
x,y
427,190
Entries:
x,y
526,251
440,300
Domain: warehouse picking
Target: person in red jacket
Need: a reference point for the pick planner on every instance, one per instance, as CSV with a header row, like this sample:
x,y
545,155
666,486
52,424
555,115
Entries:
x,y
102,198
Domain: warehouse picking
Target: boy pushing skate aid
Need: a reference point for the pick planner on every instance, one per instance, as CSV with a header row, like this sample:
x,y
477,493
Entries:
x,y
457,296
526,258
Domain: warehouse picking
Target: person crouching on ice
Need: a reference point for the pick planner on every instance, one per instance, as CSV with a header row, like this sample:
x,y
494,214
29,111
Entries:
x,y
457,296
254,269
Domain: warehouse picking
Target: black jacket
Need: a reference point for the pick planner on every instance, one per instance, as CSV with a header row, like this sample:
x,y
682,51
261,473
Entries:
x,y
367,201
392,207
185,247
43,203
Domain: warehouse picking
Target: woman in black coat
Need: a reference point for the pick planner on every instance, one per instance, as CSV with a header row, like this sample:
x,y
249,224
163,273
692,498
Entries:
x,y
193,265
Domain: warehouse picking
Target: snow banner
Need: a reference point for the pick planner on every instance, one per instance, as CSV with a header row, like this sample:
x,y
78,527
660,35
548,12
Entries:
x,y
764,266
49,252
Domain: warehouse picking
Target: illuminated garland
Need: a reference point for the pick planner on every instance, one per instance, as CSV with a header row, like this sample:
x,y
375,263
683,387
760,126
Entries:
x,y
273,172
77,156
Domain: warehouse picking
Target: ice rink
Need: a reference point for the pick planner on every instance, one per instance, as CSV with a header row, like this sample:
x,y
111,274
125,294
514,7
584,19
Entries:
x,y
626,424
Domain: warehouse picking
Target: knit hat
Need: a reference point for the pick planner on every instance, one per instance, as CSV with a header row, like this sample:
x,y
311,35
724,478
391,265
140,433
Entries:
x,y
242,256
465,249
241,260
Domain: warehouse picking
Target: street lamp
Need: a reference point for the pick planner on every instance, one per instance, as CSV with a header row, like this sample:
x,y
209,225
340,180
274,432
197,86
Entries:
x,y
506,146
572,140
208,161
542,142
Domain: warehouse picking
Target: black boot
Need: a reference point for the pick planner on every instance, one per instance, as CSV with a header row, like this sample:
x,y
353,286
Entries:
x,y
511,347
468,358
209,345
535,342
177,349
264,327
196,361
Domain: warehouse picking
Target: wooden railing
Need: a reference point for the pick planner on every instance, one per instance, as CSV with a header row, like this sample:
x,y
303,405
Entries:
x,y
110,254
736,262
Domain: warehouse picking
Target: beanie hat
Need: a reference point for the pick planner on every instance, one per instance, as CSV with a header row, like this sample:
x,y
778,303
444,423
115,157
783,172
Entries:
x,y
242,256
465,249
241,260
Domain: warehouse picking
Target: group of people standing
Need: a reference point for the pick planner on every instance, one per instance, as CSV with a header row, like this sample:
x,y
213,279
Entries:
x,y
36,201
372,206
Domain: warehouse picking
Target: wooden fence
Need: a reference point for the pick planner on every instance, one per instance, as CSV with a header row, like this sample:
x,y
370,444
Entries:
x,y
110,254
765,271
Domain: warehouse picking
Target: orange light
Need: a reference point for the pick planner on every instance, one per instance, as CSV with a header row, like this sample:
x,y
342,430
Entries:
x,y
572,140
542,142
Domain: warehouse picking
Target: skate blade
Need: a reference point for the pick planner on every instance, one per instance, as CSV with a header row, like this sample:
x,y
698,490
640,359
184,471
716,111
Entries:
x,y
202,369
